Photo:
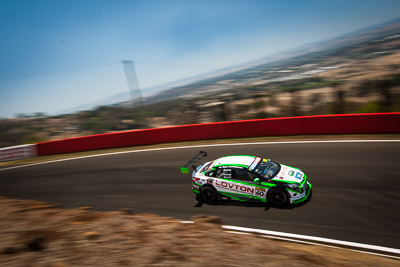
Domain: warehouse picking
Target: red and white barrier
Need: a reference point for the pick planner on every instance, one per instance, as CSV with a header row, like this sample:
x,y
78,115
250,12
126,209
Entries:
x,y
379,123
18,152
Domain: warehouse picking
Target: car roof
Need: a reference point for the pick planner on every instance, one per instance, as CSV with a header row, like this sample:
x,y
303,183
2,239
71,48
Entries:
x,y
236,160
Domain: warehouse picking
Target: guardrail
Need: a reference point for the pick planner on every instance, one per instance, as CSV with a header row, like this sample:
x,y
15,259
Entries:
x,y
307,125
18,152
376,123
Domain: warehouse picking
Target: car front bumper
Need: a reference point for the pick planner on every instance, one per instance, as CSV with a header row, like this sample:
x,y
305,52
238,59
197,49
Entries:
x,y
297,198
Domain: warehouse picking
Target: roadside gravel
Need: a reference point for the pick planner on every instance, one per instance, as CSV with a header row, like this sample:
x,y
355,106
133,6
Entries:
x,y
36,233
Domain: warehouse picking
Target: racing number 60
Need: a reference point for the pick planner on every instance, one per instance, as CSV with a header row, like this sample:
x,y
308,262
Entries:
x,y
260,193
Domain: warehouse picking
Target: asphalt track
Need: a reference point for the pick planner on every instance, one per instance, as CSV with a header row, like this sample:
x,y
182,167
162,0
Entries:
x,y
355,188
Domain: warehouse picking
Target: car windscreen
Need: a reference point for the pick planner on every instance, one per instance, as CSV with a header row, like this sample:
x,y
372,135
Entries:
x,y
268,169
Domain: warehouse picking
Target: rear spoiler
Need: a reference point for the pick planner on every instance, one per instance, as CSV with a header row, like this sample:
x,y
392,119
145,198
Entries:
x,y
193,161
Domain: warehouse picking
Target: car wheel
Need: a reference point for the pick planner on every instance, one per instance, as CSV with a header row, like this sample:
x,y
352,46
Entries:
x,y
277,196
208,194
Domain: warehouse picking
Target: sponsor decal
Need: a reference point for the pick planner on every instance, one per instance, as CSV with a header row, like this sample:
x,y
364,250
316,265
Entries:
x,y
254,164
235,187
281,174
231,167
299,175
291,172
260,189
260,193
227,173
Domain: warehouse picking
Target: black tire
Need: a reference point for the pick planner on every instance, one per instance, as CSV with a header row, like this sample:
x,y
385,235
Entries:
x,y
277,196
208,194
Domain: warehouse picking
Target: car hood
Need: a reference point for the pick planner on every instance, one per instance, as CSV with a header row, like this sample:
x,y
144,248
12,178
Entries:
x,y
289,174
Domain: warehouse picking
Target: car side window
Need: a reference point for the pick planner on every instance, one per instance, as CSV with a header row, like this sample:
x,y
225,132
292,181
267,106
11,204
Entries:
x,y
243,175
210,173
225,173
252,176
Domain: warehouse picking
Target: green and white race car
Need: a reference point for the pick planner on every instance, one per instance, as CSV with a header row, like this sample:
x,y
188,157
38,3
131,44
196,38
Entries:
x,y
247,178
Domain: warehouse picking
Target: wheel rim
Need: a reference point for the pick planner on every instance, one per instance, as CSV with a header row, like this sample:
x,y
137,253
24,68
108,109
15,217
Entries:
x,y
208,194
277,197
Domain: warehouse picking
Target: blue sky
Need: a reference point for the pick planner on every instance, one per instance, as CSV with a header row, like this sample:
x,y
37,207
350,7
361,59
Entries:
x,y
58,54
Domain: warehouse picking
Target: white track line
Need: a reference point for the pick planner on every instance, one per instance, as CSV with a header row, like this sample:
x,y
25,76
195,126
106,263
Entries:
x,y
323,245
313,238
197,146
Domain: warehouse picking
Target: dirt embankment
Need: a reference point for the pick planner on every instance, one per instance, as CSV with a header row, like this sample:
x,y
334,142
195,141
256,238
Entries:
x,y
34,233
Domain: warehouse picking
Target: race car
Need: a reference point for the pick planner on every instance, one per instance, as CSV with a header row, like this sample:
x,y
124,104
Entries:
x,y
247,178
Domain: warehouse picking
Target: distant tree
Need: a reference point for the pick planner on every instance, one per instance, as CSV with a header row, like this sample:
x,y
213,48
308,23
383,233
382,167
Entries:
x,y
295,100
395,79
259,105
384,87
220,114
338,96
190,112
366,88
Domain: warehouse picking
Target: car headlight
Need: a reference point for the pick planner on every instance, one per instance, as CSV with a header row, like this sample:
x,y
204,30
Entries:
x,y
294,186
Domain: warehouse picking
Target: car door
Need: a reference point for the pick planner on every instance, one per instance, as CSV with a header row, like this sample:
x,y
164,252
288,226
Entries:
x,y
245,181
246,178
226,183
223,180
235,182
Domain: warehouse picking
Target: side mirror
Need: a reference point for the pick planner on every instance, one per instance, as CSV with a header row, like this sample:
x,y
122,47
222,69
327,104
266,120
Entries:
x,y
257,180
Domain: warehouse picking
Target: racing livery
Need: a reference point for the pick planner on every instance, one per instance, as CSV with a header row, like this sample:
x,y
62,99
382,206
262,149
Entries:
x,y
247,178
